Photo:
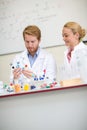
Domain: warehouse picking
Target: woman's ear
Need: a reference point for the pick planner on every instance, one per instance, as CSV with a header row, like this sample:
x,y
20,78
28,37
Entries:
x,y
77,35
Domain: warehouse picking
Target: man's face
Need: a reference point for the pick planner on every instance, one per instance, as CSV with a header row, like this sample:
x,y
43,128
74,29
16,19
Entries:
x,y
31,43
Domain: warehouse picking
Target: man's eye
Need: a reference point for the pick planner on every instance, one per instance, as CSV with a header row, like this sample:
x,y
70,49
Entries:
x,y
32,41
66,35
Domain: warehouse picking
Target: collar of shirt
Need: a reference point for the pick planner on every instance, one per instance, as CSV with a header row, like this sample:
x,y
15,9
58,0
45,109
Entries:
x,y
79,46
33,58
69,54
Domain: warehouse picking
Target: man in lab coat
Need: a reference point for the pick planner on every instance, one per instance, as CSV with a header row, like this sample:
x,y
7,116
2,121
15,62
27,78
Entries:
x,y
34,61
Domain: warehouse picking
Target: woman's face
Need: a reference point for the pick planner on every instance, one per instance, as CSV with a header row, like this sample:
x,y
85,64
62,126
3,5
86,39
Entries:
x,y
69,38
31,43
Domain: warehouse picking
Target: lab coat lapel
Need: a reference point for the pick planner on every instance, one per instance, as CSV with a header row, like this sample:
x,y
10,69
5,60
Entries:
x,y
26,60
39,59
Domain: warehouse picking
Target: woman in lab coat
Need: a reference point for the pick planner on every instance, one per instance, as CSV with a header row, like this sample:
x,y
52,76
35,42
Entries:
x,y
34,61
76,50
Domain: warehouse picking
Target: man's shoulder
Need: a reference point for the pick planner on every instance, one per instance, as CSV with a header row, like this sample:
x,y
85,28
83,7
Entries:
x,y
45,53
21,54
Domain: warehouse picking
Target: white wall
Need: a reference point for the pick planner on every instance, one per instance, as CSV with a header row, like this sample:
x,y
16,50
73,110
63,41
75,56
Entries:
x,y
5,61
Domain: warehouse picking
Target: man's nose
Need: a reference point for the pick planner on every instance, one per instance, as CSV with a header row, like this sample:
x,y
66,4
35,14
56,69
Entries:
x,y
30,44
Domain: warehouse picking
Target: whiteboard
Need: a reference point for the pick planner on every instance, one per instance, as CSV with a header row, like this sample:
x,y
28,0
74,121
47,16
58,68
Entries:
x,y
48,15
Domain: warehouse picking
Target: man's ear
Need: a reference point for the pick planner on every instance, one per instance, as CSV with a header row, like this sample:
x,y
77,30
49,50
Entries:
x,y
39,41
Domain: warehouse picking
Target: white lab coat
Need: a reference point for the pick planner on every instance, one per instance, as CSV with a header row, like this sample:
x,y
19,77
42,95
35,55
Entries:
x,y
43,61
79,53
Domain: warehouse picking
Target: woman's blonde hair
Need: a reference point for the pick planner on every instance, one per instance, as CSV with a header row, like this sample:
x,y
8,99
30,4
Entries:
x,y
76,28
32,30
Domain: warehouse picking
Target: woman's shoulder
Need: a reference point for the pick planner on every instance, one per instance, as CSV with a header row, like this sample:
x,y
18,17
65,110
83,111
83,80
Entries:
x,y
82,45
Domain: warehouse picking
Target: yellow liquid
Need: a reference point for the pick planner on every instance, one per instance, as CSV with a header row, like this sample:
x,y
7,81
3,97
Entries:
x,y
26,87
